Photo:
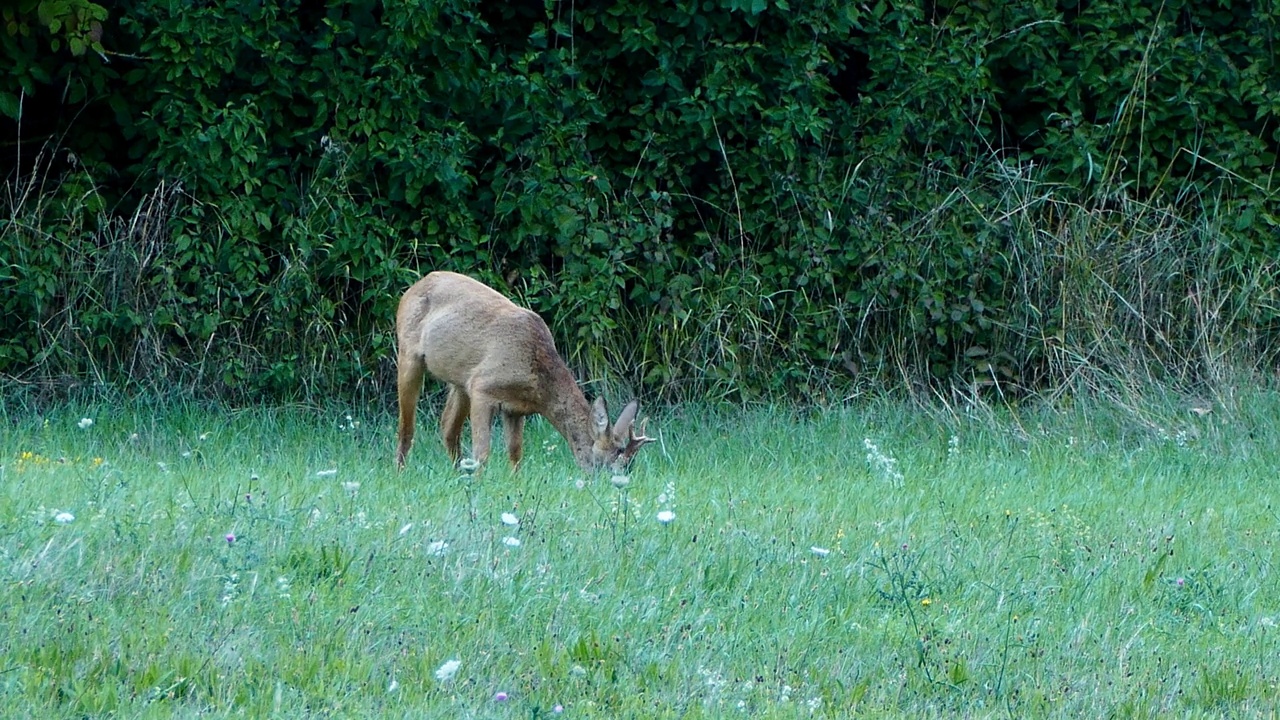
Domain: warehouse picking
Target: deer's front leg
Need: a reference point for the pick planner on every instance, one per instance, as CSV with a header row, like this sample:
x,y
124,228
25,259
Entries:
x,y
513,427
482,413
456,408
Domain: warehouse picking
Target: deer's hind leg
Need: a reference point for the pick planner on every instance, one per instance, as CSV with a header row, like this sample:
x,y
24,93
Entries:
x,y
410,369
456,409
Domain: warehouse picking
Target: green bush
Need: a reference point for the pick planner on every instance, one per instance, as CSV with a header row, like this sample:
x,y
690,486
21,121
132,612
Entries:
x,y
718,197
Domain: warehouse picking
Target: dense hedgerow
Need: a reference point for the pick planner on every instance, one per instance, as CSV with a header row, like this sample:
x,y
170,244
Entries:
x,y
724,198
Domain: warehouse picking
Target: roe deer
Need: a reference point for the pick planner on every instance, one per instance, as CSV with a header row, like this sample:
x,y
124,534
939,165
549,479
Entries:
x,y
497,357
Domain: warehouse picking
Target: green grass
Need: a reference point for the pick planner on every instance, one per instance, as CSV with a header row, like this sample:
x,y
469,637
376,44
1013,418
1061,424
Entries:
x,y
1077,563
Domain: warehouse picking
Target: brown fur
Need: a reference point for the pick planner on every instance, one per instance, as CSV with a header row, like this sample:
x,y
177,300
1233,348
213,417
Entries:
x,y
496,357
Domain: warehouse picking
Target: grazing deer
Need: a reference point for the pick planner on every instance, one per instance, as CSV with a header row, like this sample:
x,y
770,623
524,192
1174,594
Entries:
x,y
497,357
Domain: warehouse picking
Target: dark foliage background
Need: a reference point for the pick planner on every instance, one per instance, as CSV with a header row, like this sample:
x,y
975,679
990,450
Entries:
x,y
714,198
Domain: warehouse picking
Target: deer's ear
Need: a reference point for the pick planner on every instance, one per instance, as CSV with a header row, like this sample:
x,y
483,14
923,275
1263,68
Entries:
x,y
622,428
600,416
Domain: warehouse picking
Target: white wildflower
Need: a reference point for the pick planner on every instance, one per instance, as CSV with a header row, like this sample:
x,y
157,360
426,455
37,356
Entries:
x,y
85,423
666,516
230,588
714,680
511,541
446,671
887,466
510,519
620,481
64,518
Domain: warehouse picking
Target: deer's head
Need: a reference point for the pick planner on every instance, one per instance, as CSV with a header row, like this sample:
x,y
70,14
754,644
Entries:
x,y
614,446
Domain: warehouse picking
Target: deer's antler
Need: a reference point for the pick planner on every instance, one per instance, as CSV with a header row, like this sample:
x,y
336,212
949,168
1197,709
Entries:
x,y
635,443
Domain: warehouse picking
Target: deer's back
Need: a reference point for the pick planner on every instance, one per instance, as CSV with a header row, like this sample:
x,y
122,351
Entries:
x,y
466,331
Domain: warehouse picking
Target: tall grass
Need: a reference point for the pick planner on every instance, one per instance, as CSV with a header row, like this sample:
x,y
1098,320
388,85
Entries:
x,y
177,560
1100,291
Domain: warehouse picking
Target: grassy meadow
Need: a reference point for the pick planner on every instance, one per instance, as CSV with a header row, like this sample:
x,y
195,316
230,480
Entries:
x,y
883,559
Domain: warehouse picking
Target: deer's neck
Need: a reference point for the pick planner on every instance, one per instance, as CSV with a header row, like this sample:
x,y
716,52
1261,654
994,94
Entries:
x,y
570,414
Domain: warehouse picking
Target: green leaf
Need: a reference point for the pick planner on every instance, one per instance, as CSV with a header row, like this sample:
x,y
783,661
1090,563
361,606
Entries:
x,y
9,105
1153,572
